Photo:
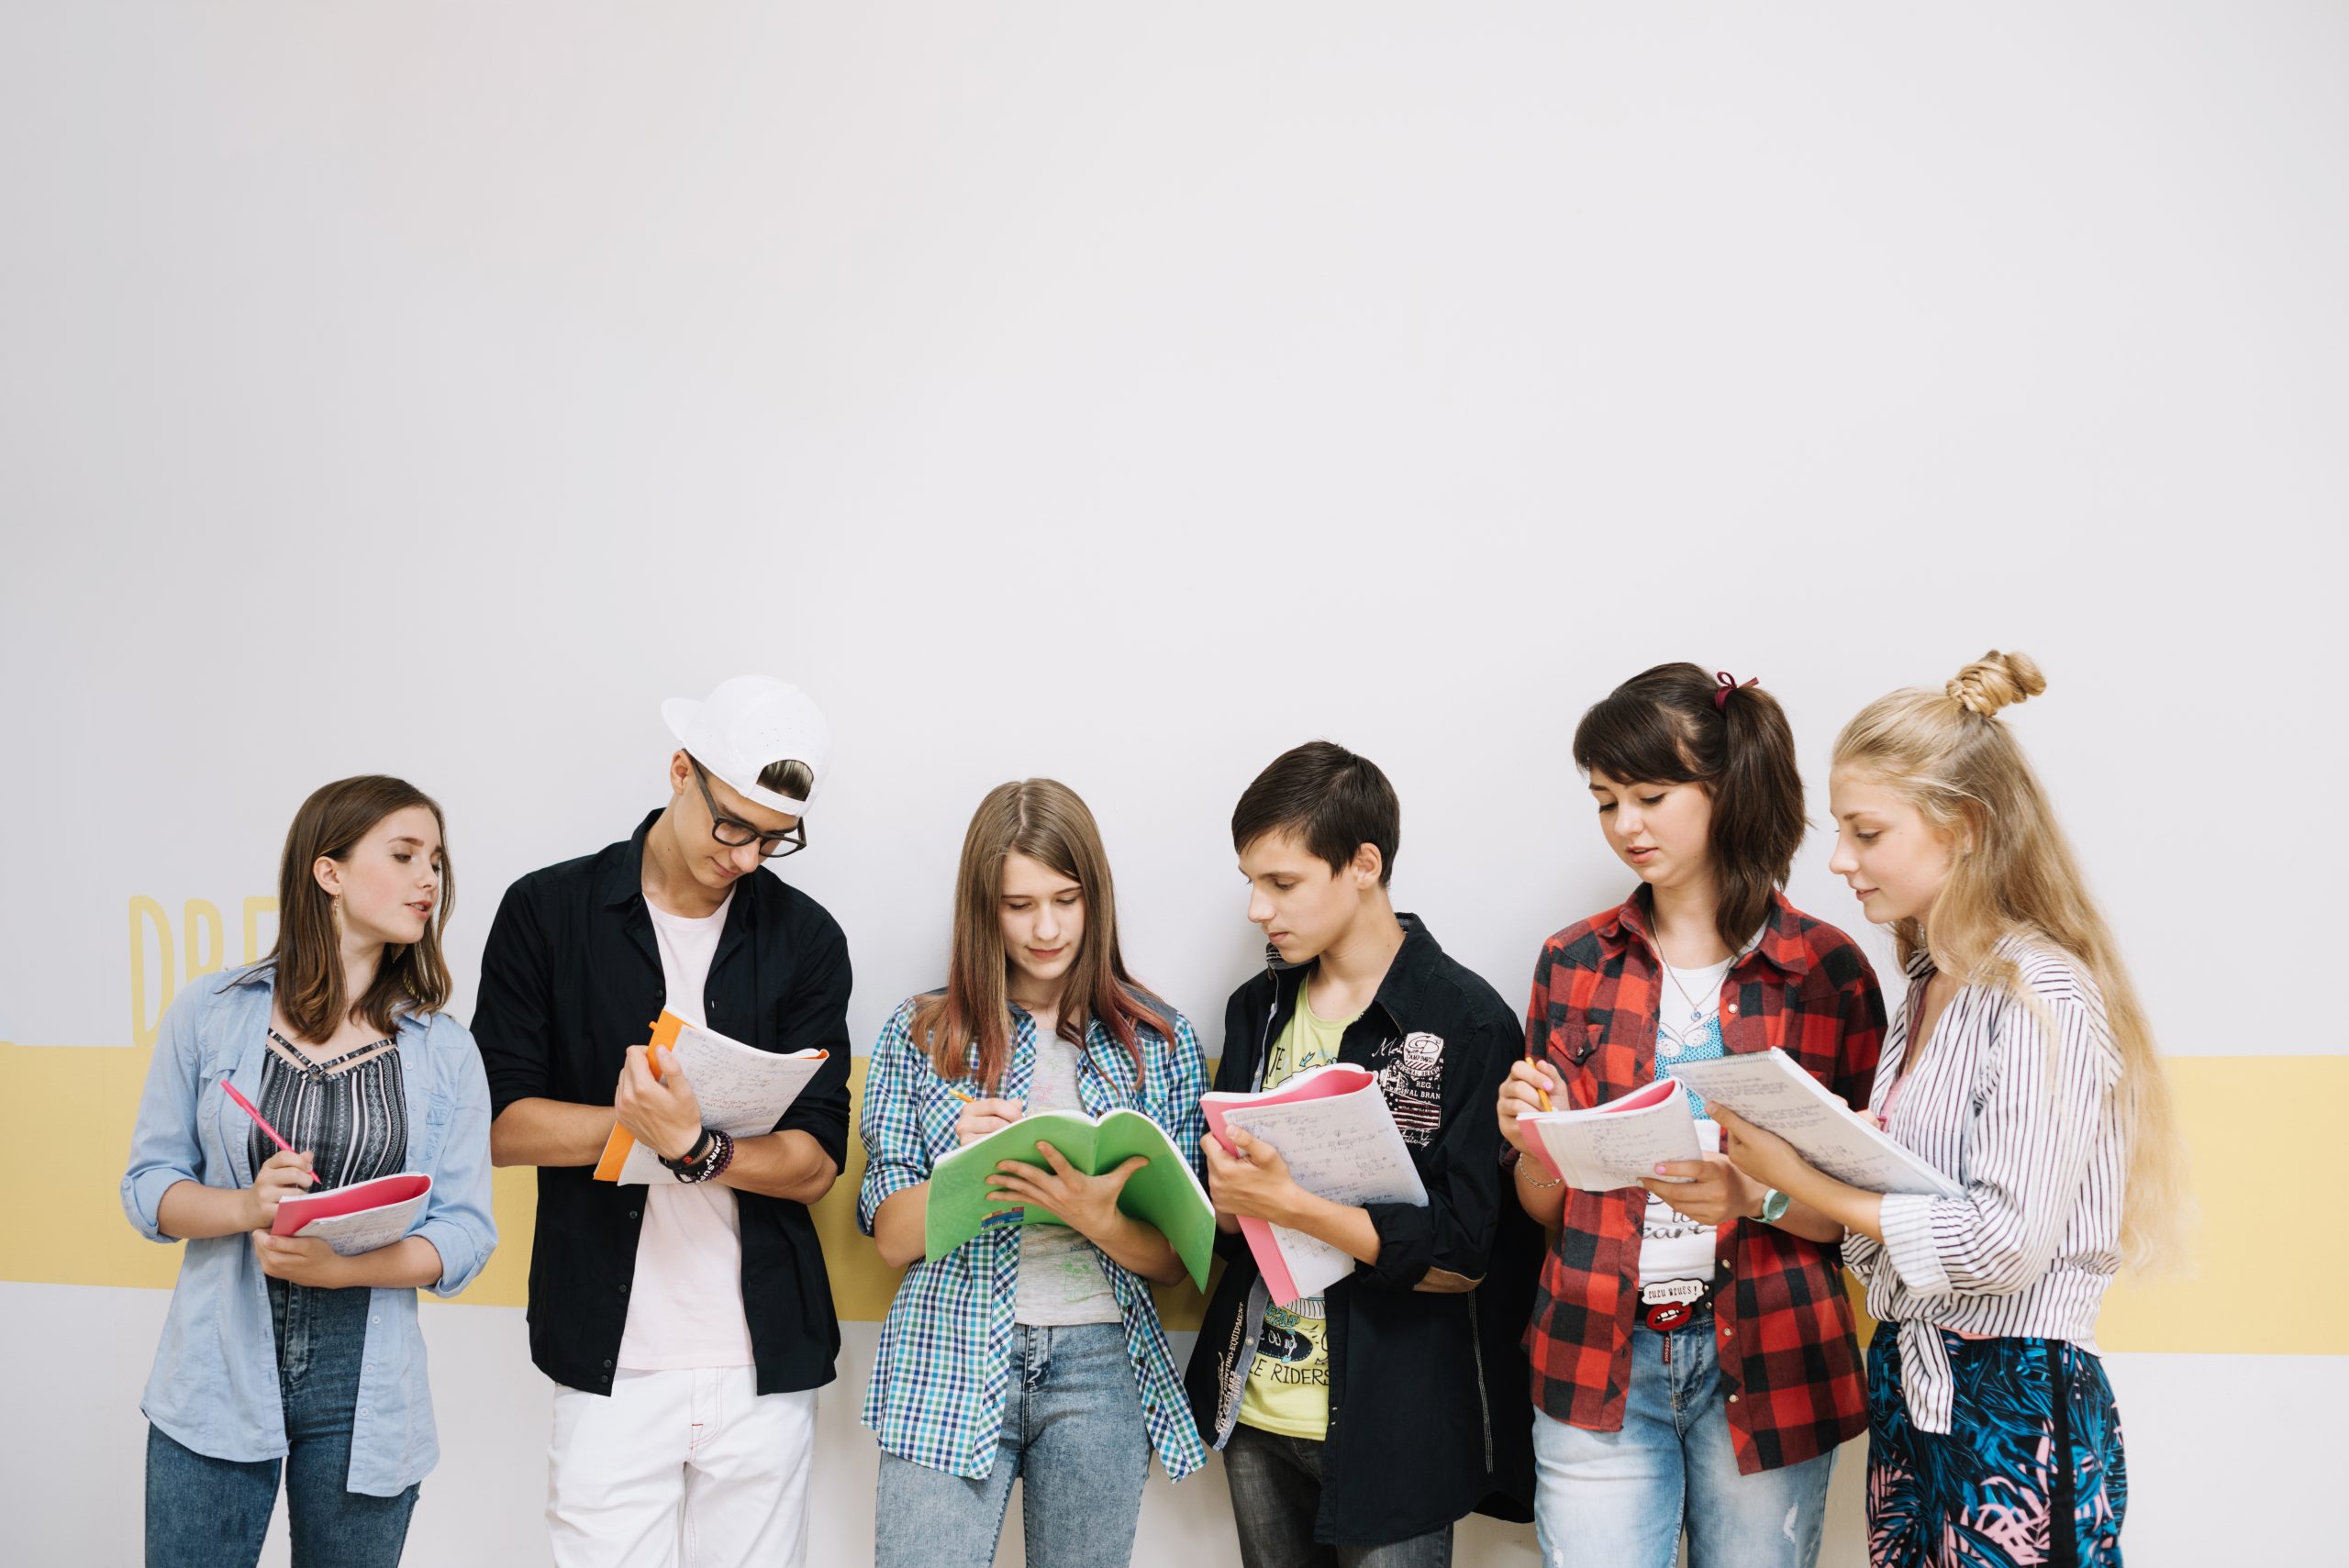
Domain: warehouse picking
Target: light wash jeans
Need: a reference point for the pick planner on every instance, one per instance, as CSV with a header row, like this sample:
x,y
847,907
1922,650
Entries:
x,y
204,1512
1620,1499
1071,1428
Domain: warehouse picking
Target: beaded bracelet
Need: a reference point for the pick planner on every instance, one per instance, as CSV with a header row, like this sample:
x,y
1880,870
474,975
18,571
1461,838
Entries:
x,y
721,1155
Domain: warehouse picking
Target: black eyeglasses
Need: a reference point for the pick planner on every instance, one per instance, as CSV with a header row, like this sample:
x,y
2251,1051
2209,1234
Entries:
x,y
734,833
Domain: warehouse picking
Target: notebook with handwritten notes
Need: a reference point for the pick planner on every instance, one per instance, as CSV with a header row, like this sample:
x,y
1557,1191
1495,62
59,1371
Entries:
x,y
1333,1127
743,1092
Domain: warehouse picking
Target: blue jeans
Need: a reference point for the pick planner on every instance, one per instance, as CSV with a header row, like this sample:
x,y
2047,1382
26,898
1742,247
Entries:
x,y
1071,1428
204,1512
1620,1499
1276,1494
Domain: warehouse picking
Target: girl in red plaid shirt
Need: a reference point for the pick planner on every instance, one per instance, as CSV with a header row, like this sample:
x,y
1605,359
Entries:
x,y
1692,1350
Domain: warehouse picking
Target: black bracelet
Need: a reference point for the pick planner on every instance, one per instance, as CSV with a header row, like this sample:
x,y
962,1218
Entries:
x,y
694,1156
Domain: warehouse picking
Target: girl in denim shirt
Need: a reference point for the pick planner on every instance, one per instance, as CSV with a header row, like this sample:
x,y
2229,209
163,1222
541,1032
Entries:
x,y
1030,1351
279,1352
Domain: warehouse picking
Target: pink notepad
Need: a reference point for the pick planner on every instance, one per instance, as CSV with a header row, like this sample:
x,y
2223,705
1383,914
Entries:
x,y
357,1219
1373,1152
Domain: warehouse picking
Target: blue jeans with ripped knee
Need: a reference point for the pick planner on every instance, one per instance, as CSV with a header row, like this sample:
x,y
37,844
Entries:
x,y
1622,1500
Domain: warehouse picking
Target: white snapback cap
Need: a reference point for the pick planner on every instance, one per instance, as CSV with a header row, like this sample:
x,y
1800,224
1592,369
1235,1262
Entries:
x,y
747,724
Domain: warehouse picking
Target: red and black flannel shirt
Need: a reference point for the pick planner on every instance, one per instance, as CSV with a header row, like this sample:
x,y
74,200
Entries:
x,y
1789,1366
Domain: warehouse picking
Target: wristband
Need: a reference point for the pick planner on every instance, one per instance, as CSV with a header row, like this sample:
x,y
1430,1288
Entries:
x,y
692,1157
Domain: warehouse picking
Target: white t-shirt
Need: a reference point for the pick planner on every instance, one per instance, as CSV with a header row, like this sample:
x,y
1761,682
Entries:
x,y
684,1309
1672,1245
1060,1276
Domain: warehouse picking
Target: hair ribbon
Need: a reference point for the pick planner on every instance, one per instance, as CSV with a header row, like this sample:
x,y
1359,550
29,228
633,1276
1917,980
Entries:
x,y
1728,684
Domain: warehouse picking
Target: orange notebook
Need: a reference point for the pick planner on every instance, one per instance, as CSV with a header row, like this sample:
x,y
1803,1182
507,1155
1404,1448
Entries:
x,y
742,1090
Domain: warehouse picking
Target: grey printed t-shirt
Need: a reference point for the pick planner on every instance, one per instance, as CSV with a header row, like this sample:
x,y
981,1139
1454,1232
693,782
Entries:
x,y
1063,1280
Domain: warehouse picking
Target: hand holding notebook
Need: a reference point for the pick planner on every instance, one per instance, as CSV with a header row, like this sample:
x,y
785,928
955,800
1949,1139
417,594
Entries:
x,y
1335,1131
743,1092
357,1219
1162,1193
1771,1090
1617,1144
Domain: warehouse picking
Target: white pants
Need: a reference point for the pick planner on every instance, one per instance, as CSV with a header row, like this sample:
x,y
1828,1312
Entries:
x,y
680,1470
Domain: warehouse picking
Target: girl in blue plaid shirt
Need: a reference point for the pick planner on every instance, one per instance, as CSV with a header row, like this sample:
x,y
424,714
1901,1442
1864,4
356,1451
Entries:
x,y
1030,1351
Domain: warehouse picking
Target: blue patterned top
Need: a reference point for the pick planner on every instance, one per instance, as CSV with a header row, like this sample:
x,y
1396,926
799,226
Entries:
x,y
943,1368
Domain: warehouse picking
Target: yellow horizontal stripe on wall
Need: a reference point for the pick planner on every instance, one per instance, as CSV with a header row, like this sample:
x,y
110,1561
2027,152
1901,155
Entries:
x,y
2258,1126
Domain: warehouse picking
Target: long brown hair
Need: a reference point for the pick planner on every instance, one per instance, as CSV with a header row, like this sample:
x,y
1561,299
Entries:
x,y
1675,724
1946,753
967,1025
307,960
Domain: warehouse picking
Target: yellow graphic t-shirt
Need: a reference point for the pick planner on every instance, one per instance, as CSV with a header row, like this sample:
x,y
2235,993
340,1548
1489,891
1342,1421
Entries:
x,y
1289,1383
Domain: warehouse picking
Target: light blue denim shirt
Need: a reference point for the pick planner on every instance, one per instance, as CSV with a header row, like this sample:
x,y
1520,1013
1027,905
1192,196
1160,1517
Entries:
x,y
215,1384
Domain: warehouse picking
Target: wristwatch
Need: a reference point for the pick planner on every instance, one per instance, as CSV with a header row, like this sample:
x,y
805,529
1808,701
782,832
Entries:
x,y
1775,1205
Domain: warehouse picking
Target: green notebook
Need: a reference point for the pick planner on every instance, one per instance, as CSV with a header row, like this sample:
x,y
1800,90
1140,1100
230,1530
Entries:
x,y
1164,1192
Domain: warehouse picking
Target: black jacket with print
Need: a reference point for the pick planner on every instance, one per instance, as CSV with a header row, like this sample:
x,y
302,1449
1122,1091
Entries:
x,y
1429,1418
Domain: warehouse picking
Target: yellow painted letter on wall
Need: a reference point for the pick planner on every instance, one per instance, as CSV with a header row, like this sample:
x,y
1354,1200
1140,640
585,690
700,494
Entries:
x,y
200,915
256,905
145,1027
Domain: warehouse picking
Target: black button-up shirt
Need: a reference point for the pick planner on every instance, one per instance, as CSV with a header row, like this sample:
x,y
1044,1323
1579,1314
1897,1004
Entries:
x,y
570,980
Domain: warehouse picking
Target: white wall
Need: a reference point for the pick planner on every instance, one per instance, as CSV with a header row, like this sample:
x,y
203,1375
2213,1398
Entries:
x,y
1125,393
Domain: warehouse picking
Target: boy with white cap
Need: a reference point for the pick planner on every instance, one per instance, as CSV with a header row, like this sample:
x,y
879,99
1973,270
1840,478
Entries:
x,y
689,1324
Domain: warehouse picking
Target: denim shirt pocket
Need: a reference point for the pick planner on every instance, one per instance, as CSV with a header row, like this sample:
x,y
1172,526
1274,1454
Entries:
x,y
431,1091
224,1135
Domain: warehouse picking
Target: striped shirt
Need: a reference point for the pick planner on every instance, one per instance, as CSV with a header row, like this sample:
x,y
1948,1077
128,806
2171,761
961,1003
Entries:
x,y
352,1122
943,1371
2015,1102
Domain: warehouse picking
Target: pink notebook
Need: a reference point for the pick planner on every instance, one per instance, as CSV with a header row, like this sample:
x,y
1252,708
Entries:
x,y
357,1219
1320,1265
1616,1144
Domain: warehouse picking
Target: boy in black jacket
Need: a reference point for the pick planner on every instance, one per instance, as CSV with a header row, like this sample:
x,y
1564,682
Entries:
x,y
1374,1417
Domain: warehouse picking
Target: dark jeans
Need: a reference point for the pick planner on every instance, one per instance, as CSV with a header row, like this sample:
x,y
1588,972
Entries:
x,y
212,1513
1275,1491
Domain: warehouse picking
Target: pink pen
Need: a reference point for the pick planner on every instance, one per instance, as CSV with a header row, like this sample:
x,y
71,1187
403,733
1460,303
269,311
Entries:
x,y
259,1120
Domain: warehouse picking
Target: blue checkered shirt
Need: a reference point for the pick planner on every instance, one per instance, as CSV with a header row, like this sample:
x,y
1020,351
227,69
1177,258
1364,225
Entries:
x,y
945,1365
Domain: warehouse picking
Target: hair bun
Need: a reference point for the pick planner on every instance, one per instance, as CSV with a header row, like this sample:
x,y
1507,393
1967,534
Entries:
x,y
1994,681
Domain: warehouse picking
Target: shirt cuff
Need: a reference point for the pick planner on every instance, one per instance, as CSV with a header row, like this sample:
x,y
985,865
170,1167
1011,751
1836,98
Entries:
x,y
881,1184
463,1252
1406,1244
142,1200
1907,1221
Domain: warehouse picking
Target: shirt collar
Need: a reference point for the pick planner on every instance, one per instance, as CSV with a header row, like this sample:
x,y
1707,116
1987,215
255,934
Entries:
x,y
1779,943
1405,982
624,878
263,974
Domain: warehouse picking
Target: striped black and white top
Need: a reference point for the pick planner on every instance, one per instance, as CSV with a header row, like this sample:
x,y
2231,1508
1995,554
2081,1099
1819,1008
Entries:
x,y
2030,1127
350,1113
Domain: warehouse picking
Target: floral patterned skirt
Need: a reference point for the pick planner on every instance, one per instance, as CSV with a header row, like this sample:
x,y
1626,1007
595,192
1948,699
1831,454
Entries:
x,y
2014,1462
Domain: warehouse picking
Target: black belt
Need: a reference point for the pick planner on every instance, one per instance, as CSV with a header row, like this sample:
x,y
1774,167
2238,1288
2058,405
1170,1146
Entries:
x,y
1672,1311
